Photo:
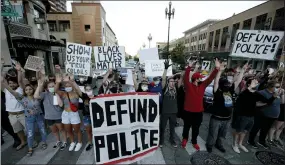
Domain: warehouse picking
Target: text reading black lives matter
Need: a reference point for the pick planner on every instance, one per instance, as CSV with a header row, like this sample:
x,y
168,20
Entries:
x,y
109,57
78,56
263,43
139,110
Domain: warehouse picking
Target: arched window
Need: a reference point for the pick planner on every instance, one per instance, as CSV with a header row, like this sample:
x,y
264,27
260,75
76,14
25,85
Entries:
x,y
52,37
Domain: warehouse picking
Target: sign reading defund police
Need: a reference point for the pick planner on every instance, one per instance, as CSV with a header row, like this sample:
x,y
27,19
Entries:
x,y
109,57
125,127
256,44
78,59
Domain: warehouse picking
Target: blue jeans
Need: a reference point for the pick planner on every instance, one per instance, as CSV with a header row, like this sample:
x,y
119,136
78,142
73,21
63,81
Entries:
x,y
30,125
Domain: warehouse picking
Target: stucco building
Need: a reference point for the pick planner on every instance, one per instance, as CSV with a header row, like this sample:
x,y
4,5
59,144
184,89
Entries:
x,y
57,5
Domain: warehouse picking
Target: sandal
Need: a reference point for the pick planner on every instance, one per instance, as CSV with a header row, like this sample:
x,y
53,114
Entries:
x,y
30,153
44,146
21,146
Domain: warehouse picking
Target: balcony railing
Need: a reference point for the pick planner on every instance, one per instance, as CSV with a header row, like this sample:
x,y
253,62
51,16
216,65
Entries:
x,y
18,29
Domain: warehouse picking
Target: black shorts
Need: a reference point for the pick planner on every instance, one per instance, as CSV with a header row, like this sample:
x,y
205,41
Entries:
x,y
243,123
282,114
52,122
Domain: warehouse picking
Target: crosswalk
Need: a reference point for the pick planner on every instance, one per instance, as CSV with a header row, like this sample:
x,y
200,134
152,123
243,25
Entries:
x,y
168,155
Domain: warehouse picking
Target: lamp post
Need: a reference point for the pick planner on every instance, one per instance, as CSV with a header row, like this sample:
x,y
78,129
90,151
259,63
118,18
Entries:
x,y
143,45
168,13
149,39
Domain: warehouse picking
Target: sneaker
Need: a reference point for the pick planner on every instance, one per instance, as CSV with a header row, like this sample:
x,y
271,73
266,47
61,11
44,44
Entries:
x,y
173,143
78,146
271,142
57,144
71,147
196,146
184,143
209,149
235,148
220,148
264,145
89,146
279,142
63,146
242,147
252,144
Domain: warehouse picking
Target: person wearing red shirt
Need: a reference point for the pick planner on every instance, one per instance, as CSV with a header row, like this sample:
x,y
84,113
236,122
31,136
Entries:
x,y
193,103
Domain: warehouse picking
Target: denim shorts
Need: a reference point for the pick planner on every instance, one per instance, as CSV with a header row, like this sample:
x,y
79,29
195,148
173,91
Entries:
x,y
86,120
243,123
52,122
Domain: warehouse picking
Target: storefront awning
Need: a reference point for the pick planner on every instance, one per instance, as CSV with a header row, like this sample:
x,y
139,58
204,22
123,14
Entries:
x,y
33,43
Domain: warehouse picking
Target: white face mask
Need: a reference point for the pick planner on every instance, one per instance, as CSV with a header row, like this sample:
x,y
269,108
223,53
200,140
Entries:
x,y
144,88
156,82
89,93
68,89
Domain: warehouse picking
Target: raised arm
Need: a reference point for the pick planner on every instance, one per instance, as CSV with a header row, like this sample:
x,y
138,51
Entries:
x,y
213,73
39,89
58,80
20,75
188,74
135,80
5,85
166,66
218,76
105,78
59,100
240,76
74,85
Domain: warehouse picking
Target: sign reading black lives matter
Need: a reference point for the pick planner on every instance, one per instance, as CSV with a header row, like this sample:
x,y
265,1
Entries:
x,y
34,63
256,44
78,59
125,127
109,57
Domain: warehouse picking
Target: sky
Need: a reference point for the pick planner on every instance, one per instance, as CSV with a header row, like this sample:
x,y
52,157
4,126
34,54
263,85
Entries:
x,y
133,21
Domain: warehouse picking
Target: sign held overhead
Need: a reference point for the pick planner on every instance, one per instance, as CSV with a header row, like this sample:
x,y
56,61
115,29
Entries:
x,y
156,68
34,63
109,57
257,44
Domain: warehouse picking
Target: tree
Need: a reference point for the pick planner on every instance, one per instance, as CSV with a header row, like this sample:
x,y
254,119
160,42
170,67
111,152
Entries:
x,y
136,59
177,54
127,58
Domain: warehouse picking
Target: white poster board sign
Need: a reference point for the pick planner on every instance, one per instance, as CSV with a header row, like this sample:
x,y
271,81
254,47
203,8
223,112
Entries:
x,y
156,68
109,57
206,65
34,63
129,80
78,59
125,127
148,54
256,44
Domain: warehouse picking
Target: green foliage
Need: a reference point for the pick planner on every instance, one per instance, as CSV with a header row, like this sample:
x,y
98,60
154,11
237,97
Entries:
x,y
177,54
92,56
127,58
136,59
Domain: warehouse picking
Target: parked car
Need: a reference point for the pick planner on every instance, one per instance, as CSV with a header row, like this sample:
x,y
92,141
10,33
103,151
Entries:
x,y
208,97
123,74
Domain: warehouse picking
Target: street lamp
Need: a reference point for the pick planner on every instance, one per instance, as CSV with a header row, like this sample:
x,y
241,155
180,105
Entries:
x,y
143,45
168,13
149,39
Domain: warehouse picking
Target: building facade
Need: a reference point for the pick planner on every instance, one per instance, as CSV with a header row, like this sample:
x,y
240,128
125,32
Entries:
x,y
86,25
57,5
175,42
26,32
266,16
196,37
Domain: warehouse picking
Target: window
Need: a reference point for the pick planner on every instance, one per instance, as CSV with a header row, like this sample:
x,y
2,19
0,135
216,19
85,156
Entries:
x,y
18,8
217,38
224,36
52,26
63,25
39,14
88,43
158,46
260,22
211,39
203,46
204,35
247,24
64,40
234,30
278,22
51,37
103,31
87,28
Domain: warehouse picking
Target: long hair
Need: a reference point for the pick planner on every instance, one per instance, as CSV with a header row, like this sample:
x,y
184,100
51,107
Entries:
x,y
28,85
170,92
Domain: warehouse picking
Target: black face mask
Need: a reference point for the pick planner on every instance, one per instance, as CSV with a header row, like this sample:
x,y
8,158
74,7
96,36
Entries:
x,y
225,88
34,82
114,89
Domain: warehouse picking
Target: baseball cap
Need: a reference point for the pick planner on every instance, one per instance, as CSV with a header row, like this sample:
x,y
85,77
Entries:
x,y
197,75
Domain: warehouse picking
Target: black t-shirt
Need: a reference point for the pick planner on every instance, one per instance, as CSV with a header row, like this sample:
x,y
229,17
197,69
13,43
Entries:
x,y
223,103
3,101
86,100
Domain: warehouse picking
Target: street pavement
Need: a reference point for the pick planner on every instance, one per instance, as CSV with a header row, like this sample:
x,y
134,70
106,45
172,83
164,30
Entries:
x,y
165,155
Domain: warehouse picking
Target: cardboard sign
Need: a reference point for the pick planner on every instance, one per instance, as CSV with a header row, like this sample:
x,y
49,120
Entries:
x,y
148,54
78,59
206,65
109,57
34,63
125,127
256,44
156,68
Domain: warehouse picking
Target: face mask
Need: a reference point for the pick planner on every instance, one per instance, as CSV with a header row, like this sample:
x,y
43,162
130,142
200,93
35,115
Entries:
x,y
68,89
81,79
276,90
114,89
89,93
51,90
156,82
33,82
144,88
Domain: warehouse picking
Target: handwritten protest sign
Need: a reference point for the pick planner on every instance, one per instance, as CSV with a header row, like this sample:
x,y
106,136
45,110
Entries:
x,y
34,63
125,127
78,59
148,54
156,68
206,65
109,57
256,44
